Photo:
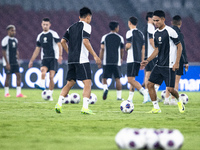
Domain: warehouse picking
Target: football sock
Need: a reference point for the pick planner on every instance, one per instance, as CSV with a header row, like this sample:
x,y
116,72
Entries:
x,y
85,102
155,104
130,97
119,93
60,100
166,99
143,91
6,90
173,100
105,87
42,83
51,92
18,90
156,87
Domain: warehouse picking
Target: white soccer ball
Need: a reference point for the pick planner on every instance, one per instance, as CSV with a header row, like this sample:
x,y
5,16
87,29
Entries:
x,y
75,98
152,139
120,137
171,139
184,98
46,95
127,106
163,94
92,99
67,99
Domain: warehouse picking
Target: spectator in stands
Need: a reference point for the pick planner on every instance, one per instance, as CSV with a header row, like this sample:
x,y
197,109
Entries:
x,y
135,54
48,42
111,52
168,49
78,38
176,25
11,59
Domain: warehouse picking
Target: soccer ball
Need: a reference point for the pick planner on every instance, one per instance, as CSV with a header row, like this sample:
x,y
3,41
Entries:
x,y
171,139
184,98
67,99
152,139
75,98
93,99
127,107
120,137
163,94
46,95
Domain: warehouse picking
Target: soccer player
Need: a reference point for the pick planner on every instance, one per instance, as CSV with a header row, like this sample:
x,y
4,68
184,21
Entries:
x,y
48,42
176,25
78,48
168,49
111,52
10,59
135,47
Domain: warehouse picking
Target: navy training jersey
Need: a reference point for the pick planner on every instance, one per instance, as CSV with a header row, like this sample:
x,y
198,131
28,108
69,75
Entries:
x,y
166,40
181,38
136,38
9,44
74,35
113,43
47,41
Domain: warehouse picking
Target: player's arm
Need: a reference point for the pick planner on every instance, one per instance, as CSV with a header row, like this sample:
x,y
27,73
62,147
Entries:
x,y
153,55
64,45
143,52
101,51
60,53
122,54
151,41
34,56
5,58
87,44
128,46
179,52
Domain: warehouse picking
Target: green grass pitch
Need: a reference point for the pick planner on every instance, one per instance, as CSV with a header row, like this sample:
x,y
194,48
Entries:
x,y
32,124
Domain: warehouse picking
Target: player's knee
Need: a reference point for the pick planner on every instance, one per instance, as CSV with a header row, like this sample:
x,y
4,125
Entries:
x,y
171,90
150,85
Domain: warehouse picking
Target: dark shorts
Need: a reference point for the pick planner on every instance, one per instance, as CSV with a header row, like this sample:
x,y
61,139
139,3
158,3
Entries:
x,y
133,69
180,70
79,72
50,63
109,70
13,69
160,74
151,64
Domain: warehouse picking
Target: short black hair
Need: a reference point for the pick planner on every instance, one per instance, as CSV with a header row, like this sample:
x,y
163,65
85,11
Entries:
x,y
10,27
84,12
176,20
113,25
149,15
46,19
133,20
159,13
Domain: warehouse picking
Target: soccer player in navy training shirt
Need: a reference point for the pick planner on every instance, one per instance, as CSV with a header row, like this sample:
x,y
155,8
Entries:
x,y
78,48
111,52
135,54
10,59
48,42
176,25
168,49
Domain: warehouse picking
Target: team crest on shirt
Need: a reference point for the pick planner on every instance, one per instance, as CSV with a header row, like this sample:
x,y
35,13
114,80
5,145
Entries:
x,y
13,44
45,40
159,40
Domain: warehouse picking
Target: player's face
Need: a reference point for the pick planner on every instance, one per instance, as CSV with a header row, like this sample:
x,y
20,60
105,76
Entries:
x,y
88,19
46,25
117,29
158,22
12,32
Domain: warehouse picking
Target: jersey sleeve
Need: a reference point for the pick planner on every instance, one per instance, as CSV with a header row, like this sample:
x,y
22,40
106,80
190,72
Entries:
x,y
174,36
122,43
66,35
4,43
155,41
56,37
38,44
103,39
150,30
128,36
86,31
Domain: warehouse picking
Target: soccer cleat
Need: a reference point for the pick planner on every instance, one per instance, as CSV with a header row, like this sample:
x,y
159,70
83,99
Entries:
x,y
86,111
7,95
172,103
120,99
181,106
21,95
39,87
166,102
154,111
51,99
105,93
58,108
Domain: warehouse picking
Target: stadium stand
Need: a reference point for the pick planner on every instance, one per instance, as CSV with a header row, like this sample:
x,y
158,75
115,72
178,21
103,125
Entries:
x,y
26,15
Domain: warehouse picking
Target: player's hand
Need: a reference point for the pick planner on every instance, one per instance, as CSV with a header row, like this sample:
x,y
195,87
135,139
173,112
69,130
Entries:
x,y
30,64
8,66
186,67
98,61
144,63
175,67
60,60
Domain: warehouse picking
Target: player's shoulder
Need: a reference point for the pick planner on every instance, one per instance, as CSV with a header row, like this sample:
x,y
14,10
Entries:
x,y
128,33
54,33
5,40
119,35
169,29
